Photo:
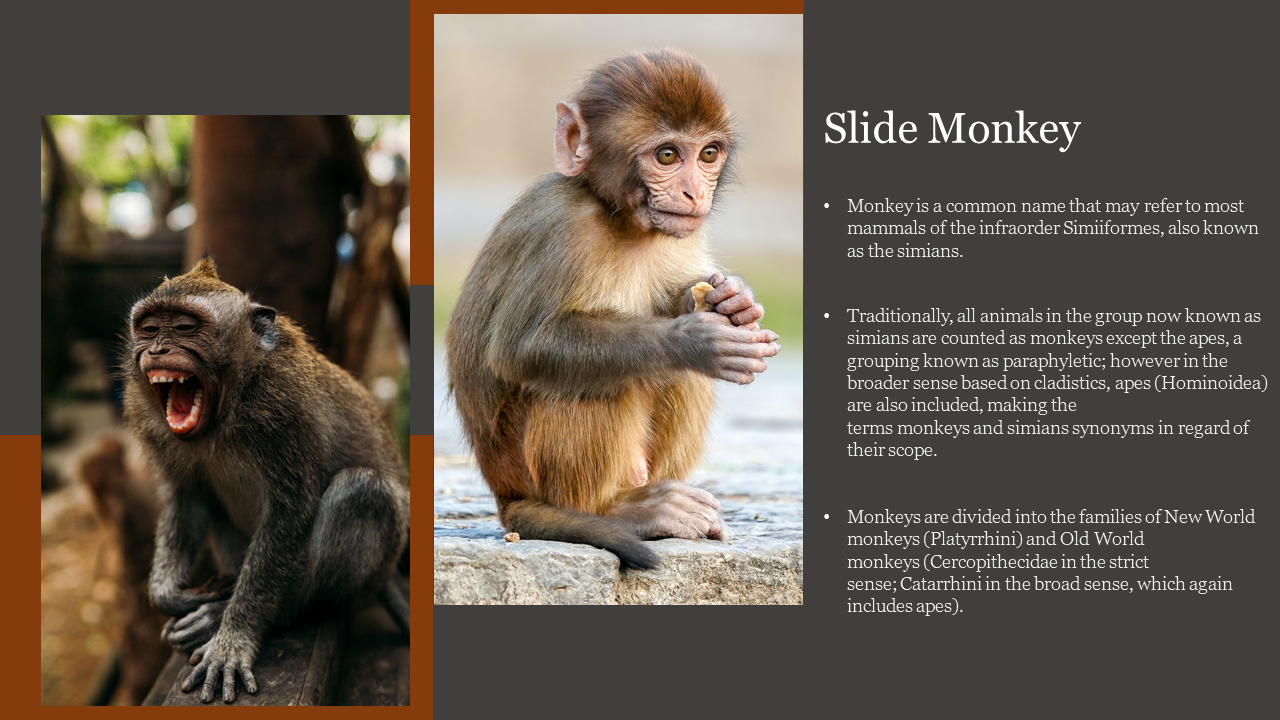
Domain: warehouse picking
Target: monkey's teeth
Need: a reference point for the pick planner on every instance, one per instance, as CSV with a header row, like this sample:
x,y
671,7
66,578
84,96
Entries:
x,y
162,376
190,418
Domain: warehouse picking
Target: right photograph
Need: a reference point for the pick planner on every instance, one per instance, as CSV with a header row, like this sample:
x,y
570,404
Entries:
x,y
618,342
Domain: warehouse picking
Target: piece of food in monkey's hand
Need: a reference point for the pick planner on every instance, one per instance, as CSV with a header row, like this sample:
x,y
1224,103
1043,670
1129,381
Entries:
x,y
511,537
700,292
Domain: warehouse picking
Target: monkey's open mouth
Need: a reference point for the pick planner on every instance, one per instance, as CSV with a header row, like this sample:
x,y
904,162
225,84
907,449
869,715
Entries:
x,y
181,395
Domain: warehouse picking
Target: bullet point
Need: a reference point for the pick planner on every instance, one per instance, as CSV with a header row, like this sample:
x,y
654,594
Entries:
x,y
826,516
826,315
826,205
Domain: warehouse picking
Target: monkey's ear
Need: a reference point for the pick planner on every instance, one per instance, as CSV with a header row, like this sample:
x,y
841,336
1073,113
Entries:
x,y
571,139
205,267
263,321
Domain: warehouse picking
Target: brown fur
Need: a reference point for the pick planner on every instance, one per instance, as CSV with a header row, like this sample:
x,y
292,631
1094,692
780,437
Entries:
x,y
583,381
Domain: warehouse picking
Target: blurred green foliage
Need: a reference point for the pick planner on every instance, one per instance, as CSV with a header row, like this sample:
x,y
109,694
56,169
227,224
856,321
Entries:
x,y
111,150
108,152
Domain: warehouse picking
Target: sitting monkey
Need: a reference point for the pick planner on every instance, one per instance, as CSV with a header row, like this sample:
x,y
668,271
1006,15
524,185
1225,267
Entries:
x,y
582,373
275,455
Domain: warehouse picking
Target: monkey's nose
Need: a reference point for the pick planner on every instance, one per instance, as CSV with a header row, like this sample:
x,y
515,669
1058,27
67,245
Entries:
x,y
694,196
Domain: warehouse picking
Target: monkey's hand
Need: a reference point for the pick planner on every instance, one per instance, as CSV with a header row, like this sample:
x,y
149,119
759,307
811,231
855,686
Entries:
x,y
220,659
195,628
733,298
736,354
176,602
671,509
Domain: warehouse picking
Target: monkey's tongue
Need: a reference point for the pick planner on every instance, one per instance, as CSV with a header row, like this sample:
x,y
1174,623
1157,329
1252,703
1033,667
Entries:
x,y
183,407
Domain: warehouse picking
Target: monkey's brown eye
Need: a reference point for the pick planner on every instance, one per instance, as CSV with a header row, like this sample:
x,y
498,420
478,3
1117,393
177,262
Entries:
x,y
150,328
710,153
185,327
667,155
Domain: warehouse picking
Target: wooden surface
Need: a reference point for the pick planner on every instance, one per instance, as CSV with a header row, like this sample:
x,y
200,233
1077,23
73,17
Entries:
x,y
298,666
375,661
367,664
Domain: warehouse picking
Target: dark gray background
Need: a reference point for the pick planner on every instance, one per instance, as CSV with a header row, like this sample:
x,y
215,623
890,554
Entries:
x,y
1172,105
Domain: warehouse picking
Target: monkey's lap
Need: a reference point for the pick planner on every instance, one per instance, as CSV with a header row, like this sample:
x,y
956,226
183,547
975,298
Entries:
x,y
582,452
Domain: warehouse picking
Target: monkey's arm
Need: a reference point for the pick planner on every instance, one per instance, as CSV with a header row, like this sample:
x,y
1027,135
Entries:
x,y
270,567
180,533
580,353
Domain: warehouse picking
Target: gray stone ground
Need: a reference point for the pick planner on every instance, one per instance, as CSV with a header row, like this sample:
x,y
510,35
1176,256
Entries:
x,y
754,465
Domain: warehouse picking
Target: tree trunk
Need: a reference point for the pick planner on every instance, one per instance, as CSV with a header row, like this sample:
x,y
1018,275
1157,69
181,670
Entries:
x,y
268,196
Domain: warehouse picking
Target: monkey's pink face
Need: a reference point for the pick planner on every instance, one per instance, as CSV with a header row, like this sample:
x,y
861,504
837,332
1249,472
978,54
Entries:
x,y
167,349
681,178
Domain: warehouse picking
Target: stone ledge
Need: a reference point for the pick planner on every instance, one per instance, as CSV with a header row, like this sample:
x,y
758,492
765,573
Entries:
x,y
474,566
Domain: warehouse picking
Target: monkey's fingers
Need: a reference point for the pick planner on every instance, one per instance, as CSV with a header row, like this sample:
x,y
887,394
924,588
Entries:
x,y
195,617
213,673
749,343
191,639
737,378
740,370
750,316
683,511
198,654
197,674
736,304
756,336
229,679
195,628
719,532
690,498
726,330
729,287
228,683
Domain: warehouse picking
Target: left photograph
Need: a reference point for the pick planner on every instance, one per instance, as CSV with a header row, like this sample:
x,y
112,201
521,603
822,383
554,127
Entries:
x,y
224,409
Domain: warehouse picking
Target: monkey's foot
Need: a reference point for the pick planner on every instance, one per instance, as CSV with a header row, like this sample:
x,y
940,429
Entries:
x,y
221,659
672,509
195,628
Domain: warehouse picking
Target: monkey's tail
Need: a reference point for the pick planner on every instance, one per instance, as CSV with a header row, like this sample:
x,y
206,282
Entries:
x,y
535,520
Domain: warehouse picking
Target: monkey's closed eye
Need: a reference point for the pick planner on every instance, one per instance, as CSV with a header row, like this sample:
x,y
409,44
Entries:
x,y
709,154
667,155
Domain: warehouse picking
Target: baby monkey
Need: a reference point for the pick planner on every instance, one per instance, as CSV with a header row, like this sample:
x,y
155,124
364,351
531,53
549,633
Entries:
x,y
275,456
582,373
